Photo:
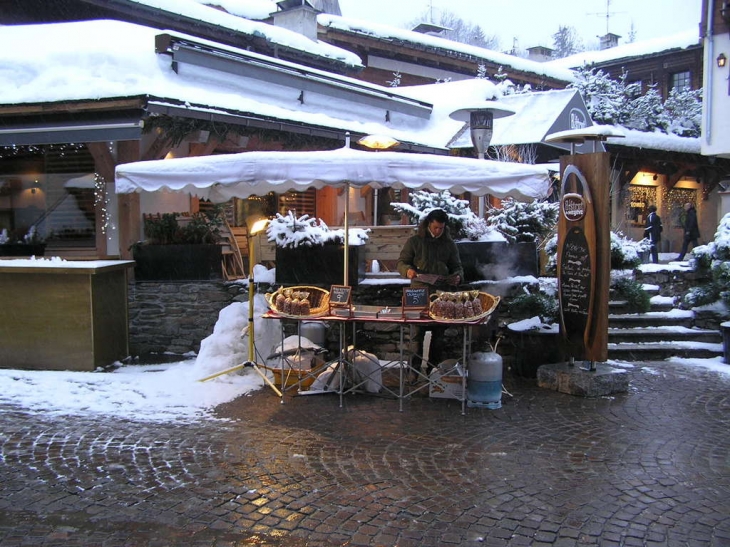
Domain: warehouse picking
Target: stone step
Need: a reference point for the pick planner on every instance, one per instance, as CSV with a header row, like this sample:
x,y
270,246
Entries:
x,y
663,334
660,304
674,317
657,351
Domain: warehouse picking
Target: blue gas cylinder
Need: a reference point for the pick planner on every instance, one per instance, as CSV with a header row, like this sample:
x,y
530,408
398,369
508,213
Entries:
x,y
484,380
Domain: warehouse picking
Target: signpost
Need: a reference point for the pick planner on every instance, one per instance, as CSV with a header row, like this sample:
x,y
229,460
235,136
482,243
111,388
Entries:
x,y
584,256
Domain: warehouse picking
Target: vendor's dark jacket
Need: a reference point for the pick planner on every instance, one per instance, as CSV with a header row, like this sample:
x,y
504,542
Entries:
x,y
430,255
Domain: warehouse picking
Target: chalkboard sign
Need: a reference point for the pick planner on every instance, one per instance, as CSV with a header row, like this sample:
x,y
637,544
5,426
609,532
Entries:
x,y
340,296
575,282
415,298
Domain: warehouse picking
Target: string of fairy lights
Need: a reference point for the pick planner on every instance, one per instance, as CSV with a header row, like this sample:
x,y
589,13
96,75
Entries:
x,y
101,201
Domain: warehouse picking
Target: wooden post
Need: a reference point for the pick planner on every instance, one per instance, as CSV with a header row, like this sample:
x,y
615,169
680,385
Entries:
x,y
130,222
584,255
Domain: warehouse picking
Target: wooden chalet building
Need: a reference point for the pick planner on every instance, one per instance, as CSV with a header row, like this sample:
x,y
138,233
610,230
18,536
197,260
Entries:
x,y
70,139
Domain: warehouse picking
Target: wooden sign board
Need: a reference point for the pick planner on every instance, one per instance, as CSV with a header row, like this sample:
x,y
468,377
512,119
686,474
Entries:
x,y
584,255
415,298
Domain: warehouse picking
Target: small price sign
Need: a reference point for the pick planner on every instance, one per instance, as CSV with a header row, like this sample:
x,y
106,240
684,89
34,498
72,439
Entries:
x,y
415,298
340,296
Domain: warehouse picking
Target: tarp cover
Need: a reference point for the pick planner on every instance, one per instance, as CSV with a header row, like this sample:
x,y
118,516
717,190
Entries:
x,y
222,177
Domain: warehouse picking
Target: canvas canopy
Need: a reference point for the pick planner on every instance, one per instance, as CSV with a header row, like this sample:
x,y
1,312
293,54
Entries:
x,y
220,178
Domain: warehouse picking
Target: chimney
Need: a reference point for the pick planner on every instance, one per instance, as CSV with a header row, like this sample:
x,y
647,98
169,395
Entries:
x,y
540,53
298,16
609,40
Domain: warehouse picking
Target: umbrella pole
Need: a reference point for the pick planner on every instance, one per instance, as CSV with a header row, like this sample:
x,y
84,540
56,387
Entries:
x,y
347,234
251,262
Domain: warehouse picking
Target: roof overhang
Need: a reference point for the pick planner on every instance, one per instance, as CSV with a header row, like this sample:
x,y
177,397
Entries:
x,y
71,122
271,70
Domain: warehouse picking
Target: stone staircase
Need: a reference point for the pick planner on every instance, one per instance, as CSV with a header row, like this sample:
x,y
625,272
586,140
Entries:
x,y
663,332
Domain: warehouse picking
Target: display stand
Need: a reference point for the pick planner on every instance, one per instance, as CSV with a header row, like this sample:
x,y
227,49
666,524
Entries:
x,y
295,379
367,377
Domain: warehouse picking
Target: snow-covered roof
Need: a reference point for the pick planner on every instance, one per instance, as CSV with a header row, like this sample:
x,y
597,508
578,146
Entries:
x,y
656,140
94,60
536,115
680,40
388,33
239,19
249,9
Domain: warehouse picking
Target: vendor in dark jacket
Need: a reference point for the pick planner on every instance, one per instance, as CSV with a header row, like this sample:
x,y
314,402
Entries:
x,y
432,252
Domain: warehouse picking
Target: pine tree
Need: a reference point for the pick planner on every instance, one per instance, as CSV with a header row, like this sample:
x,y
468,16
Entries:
x,y
600,93
616,102
645,113
395,82
459,30
684,110
566,42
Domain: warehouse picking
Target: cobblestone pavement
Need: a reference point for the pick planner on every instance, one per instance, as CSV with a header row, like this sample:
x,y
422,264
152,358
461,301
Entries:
x,y
650,468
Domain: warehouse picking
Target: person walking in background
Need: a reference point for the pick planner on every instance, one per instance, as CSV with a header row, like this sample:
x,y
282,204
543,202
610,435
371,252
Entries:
x,y
653,232
691,229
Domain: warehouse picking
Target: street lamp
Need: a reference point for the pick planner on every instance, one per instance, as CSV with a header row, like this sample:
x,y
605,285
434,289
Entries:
x,y
257,227
480,118
377,142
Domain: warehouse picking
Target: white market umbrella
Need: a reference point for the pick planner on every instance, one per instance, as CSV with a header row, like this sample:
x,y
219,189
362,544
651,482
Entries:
x,y
222,177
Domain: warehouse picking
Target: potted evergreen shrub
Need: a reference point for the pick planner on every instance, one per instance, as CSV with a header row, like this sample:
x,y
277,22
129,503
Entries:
x,y
503,244
175,251
309,253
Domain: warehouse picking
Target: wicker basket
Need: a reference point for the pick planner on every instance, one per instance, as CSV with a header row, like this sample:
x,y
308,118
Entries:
x,y
292,377
319,301
489,304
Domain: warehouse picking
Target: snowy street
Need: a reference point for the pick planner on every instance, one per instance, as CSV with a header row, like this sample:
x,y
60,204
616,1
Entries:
x,y
141,466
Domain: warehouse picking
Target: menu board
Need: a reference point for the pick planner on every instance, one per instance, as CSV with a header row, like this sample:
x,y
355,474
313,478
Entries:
x,y
575,281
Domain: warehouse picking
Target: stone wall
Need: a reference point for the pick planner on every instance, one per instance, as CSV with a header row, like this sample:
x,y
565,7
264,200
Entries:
x,y
174,317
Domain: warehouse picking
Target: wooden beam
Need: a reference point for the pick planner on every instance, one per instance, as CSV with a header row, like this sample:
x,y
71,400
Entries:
x,y
672,180
158,149
129,208
73,107
103,160
198,149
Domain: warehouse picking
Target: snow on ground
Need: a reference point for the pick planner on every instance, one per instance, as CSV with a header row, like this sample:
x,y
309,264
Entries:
x,y
173,392
158,392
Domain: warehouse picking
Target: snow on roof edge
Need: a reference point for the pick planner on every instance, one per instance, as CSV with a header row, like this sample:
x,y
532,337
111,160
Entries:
x,y
359,26
680,40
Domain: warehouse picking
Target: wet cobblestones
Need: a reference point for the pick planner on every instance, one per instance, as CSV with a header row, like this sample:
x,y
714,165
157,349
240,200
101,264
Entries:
x,y
646,468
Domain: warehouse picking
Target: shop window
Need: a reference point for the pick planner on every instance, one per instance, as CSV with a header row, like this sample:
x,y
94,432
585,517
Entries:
x,y
299,203
680,81
51,189
675,200
640,197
